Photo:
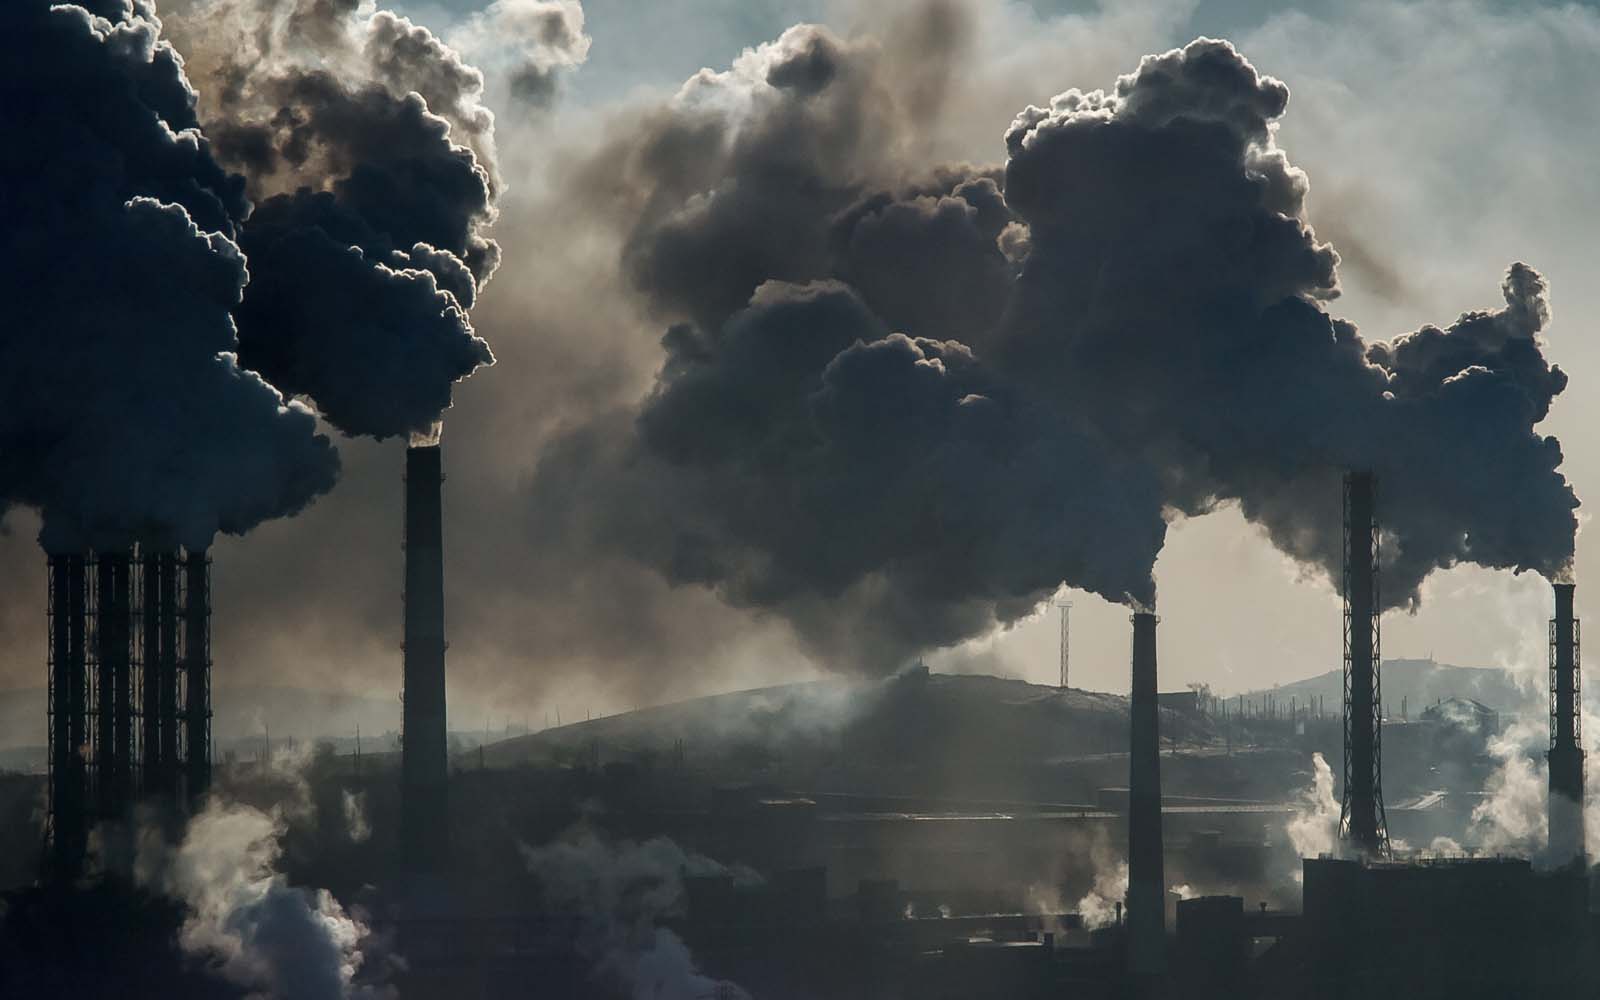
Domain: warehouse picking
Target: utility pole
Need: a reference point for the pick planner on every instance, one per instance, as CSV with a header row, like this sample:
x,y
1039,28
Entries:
x,y
1066,636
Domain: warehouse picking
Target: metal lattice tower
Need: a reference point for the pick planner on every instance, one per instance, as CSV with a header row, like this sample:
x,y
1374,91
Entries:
x,y
1362,821
1566,755
1066,639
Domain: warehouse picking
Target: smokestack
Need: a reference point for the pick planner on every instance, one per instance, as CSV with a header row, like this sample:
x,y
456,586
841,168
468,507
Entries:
x,y
113,683
424,832
197,675
1566,750
1362,821
1147,929
159,690
68,608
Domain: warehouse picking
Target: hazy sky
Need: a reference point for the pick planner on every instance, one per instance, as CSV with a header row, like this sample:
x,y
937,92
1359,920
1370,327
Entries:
x,y
1443,140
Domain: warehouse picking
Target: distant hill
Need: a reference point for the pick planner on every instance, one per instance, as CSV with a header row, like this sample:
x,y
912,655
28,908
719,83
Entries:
x,y
1419,682
914,715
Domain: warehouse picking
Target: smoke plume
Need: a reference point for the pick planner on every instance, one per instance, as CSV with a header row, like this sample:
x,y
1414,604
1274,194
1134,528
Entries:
x,y
531,42
619,894
127,415
274,939
1314,827
367,243
902,401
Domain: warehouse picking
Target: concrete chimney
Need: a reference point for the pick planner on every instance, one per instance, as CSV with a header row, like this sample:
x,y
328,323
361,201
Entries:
x,y
424,830
1566,750
1147,931
1362,823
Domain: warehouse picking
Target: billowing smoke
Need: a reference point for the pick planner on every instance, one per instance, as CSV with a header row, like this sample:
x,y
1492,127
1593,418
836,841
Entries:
x,y
618,895
903,401
531,42
365,142
127,415
247,921
1314,827
1099,906
1513,817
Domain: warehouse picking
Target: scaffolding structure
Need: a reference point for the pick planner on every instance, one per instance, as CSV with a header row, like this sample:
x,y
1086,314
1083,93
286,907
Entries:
x,y
1362,821
128,689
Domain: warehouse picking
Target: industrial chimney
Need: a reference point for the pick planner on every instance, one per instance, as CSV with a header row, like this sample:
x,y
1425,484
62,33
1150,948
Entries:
x,y
424,832
1362,822
197,675
1147,902
67,610
1566,751
113,683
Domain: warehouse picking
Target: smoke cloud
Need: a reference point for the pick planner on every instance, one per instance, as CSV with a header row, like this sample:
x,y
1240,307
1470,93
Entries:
x,y
619,895
367,243
532,42
277,940
901,402
127,414
1314,827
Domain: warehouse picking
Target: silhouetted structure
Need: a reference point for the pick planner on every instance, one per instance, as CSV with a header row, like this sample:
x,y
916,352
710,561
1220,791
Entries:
x,y
1146,883
112,698
1362,822
197,675
123,725
1566,748
67,611
424,835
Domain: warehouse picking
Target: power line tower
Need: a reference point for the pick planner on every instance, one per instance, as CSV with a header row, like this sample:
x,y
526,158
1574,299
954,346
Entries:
x,y
1066,638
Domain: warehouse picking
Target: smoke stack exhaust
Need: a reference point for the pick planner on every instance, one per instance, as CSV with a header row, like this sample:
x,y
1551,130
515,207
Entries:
x,y
1147,930
1362,822
424,768
1566,750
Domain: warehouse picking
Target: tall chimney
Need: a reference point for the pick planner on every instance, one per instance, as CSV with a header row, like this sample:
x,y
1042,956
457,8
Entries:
x,y
1566,750
159,690
113,683
197,674
1362,823
424,830
68,609
1147,931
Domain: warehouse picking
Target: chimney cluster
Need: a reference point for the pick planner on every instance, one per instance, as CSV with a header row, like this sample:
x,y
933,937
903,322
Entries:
x,y
129,687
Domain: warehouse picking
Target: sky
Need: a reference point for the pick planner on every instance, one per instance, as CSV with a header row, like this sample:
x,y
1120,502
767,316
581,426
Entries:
x,y
1442,141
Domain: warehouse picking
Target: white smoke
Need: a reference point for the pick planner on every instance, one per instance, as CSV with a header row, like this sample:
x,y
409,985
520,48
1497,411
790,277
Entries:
x,y
1512,818
280,942
619,895
1098,907
1314,827
356,824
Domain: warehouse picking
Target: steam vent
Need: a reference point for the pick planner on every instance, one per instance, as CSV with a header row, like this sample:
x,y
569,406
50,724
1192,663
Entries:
x,y
424,769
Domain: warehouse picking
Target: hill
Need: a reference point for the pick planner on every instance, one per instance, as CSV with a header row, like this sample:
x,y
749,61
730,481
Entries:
x,y
1418,683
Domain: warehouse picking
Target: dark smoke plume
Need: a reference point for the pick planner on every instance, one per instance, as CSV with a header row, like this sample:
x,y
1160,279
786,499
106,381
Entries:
x,y
901,405
367,242
126,415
